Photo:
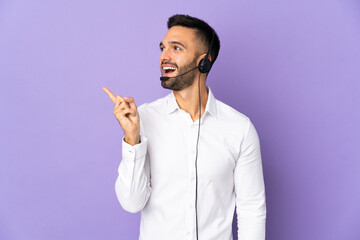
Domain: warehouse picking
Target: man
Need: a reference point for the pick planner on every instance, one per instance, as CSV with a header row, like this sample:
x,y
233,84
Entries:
x,y
186,182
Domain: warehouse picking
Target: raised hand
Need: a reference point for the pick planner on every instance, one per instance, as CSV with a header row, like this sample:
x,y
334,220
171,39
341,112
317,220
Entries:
x,y
126,113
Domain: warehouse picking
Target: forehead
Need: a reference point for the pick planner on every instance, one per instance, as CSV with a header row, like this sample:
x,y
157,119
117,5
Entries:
x,y
181,34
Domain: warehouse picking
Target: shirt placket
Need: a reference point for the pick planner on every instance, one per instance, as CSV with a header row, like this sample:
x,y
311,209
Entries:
x,y
190,230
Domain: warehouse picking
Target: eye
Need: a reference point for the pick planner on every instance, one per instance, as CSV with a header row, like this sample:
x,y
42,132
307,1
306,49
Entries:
x,y
177,48
161,49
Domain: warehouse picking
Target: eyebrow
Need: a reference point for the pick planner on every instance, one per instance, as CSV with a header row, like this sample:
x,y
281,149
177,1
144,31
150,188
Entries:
x,y
173,42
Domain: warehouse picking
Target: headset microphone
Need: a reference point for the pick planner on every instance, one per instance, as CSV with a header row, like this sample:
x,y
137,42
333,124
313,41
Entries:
x,y
166,78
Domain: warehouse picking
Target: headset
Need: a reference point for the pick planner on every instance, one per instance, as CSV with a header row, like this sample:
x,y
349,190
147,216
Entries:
x,y
205,64
204,67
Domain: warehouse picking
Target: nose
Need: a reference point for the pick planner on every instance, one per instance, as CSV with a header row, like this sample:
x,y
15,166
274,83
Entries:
x,y
165,56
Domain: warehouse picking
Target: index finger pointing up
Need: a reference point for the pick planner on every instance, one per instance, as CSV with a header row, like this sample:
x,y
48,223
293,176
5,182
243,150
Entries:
x,y
110,94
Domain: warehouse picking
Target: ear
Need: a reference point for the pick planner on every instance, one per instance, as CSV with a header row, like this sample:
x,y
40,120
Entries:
x,y
201,57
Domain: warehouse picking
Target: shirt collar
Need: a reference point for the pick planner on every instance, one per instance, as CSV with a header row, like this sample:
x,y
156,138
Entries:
x,y
210,105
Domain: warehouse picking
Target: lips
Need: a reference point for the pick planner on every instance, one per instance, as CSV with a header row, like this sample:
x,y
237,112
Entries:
x,y
168,70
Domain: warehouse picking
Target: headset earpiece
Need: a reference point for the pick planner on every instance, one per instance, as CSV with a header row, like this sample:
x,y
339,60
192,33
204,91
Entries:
x,y
205,64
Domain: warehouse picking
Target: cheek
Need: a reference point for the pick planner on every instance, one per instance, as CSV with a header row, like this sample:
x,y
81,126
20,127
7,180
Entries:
x,y
184,60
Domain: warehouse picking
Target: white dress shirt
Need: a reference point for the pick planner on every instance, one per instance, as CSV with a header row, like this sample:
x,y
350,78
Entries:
x,y
157,176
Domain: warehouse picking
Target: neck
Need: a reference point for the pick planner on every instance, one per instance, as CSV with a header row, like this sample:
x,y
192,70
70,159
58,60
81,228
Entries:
x,y
188,99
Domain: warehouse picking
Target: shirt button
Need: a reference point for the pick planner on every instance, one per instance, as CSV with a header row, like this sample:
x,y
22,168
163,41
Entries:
x,y
188,233
193,178
190,206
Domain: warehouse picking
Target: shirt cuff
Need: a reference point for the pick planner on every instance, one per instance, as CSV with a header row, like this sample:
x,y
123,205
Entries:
x,y
134,152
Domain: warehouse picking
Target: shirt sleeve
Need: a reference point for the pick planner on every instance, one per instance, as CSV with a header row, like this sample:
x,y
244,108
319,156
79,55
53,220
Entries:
x,y
132,185
250,189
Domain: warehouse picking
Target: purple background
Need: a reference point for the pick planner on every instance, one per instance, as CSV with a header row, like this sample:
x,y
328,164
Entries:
x,y
293,67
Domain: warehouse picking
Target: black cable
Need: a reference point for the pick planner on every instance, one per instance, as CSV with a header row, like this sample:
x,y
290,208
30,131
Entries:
x,y
196,175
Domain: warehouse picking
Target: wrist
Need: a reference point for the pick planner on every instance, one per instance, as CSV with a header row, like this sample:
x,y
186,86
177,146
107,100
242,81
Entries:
x,y
132,140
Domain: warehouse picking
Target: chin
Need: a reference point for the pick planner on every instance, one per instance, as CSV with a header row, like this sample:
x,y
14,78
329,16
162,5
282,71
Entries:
x,y
171,85
167,85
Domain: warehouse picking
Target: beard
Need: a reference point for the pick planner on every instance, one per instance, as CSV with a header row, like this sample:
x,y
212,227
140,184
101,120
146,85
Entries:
x,y
181,82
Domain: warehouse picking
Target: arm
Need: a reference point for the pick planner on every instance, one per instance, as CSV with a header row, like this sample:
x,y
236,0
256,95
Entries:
x,y
132,186
249,189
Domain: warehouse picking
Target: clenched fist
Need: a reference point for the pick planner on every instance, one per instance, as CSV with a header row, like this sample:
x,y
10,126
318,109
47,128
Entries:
x,y
126,113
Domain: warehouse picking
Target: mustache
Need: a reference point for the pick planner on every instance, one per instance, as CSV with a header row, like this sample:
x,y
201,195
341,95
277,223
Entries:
x,y
169,63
